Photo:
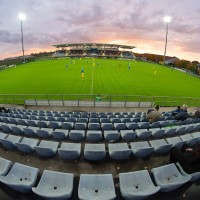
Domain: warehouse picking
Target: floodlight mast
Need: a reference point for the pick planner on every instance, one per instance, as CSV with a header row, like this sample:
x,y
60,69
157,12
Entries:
x,y
22,17
167,20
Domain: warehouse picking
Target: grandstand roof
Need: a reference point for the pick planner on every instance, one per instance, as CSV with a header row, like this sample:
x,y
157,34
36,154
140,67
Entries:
x,y
94,44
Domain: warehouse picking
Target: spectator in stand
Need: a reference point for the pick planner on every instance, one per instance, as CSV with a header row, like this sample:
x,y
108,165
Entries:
x,y
196,114
183,114
174,112
154,115
4,110
188,157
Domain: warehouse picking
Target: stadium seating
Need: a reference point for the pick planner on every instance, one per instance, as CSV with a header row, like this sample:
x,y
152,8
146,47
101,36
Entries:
x,y
94,152
5,166
169,178
137,185
55,185
96,186
69,151
20,177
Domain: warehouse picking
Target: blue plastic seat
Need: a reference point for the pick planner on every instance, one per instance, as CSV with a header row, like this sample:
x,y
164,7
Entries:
x,y
7,128
55,125
157,133
137,185
27,145
119,126
60,134
69,151
5,166
132,125
67,125
94,136
10,141
44,132
175,141
30,131
195,176
143,134
111,136
169,131
196,135
106,126
76,135
21,177
160,146
169,178
18,130
47,148
94,151
43,124
128,135
93,126
32,123
119,151
60,185
141,149
189,139
96,186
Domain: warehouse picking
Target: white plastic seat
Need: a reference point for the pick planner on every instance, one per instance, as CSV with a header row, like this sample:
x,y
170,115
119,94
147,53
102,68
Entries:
x,y
137,185
60,185
21,177
69,151
94,151
169,178
96,186
119,151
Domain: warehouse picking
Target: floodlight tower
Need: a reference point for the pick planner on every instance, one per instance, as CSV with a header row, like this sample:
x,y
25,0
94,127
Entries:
x,y
167,20
22,17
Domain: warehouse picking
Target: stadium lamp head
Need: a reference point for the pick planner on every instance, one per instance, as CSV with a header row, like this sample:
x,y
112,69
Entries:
x,y
22,16
167,19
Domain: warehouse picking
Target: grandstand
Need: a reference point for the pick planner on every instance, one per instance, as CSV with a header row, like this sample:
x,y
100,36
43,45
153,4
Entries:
x,y
94,50
85,154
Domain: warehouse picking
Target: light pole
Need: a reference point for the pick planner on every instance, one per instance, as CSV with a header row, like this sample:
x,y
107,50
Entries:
x,y
22,17
167,20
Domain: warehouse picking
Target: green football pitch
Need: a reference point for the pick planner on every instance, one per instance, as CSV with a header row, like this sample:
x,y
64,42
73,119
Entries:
x,y
102,76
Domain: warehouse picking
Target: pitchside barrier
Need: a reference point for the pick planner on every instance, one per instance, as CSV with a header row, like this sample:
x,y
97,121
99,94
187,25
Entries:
x,y
75,100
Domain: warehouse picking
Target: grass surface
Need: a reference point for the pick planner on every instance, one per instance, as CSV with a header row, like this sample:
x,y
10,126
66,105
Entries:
x,y
102,76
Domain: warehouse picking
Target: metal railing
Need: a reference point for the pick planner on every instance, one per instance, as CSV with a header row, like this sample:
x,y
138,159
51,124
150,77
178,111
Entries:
x,y
87,100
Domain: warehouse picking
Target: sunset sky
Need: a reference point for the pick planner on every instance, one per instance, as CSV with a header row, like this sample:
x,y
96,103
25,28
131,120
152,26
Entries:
x,y
132,22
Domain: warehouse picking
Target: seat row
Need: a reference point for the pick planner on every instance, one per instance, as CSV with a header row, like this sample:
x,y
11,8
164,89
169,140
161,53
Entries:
x,y
93,133
116,151
59,185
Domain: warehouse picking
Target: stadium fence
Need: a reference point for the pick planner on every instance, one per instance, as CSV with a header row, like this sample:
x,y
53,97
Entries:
x,y
85,100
